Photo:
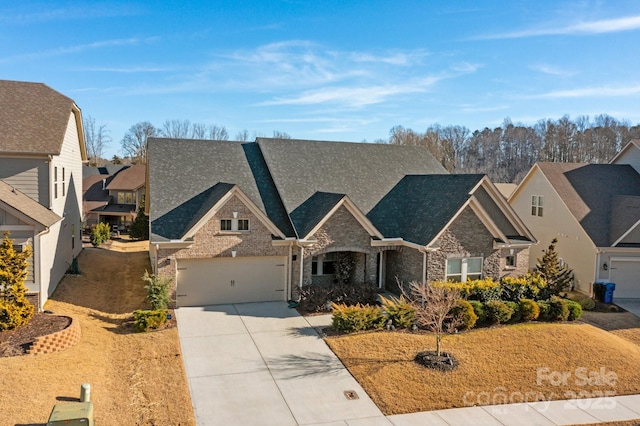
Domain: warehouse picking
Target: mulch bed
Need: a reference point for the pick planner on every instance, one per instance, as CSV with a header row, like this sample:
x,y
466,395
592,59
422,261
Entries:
x,y
15,342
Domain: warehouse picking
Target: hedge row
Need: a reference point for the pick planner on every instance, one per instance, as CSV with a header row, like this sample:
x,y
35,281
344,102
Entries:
x,y
511,289
400,314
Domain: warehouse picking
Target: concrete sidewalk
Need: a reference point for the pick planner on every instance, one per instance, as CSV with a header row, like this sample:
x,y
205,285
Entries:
x,y
262,363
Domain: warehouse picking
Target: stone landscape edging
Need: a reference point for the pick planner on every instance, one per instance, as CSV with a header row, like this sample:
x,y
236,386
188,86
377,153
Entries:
x,y
58,341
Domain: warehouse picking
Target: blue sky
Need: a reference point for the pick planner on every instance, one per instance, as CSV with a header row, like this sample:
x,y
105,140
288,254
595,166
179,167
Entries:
x,y
331,70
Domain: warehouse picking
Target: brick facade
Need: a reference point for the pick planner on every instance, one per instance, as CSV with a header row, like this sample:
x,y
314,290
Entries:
x,y
468,237
340,233
210,242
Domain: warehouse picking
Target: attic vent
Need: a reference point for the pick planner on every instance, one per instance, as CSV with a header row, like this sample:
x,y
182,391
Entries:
x,y
104,183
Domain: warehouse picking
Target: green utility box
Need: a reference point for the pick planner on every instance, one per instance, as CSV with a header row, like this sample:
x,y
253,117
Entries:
x,y
74,414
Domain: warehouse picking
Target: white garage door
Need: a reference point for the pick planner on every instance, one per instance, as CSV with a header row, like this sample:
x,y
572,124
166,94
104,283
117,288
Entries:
x,y
626,275
230,280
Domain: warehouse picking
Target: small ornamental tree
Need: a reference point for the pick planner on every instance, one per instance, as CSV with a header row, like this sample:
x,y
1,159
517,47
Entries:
x,y
157,290
434,308
15,309
139,229
558,276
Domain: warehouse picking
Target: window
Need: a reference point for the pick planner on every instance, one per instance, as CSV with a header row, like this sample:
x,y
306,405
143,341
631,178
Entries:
x,y
464,269
129,196
73,236
55,182
537,202
234,225
63,181
510,261
243,224
120,197
324,264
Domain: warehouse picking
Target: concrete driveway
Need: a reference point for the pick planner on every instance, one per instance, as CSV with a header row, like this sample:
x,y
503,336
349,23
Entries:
x,y
630,305
263,363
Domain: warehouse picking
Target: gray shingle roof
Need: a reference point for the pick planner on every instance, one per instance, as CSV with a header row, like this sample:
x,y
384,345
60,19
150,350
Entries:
x,y
27,206
308,214
278,175
363,171
174,224
588,190
33,118
181,169
420,206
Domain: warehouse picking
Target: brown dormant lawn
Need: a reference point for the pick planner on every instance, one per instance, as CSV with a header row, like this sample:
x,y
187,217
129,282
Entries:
x,y
518,362
135,378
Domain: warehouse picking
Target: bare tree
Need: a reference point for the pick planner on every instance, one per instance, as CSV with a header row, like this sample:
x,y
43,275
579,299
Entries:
x,y
242,136
134,143
433,305
177,129
218,133
96,140
281,135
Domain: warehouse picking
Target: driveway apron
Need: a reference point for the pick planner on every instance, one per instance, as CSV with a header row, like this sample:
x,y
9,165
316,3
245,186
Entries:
x,y
263,363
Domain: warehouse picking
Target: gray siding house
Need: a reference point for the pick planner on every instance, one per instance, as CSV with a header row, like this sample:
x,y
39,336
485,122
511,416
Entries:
x,y
245,222
41,154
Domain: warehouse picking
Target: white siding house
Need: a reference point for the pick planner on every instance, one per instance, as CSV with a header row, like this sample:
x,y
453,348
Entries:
x,y
594,212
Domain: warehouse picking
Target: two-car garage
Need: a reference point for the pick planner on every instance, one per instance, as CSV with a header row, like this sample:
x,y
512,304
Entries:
x,y
223,280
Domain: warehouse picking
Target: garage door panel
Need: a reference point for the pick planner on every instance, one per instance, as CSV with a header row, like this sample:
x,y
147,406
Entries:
x,y
626,276
230,280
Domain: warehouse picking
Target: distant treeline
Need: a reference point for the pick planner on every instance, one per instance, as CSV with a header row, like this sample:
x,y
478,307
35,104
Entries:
x,y
506,153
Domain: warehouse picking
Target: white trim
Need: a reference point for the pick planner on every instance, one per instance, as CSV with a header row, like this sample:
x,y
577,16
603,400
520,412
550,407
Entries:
x,y
171,244
399,242
624,259
506,209
301,265
355,212
634,226
234,191
486,219
17,228
446,226
624,148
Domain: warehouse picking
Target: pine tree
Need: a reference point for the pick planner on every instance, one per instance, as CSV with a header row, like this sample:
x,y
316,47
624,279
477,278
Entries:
x,y
559,276
139,229
15,309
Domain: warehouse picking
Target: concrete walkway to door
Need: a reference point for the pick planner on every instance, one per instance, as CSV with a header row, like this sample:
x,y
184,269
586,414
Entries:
x,y
263,364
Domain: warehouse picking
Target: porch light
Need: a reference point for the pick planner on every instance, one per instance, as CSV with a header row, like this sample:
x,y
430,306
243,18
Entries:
x,y
233,253
605,266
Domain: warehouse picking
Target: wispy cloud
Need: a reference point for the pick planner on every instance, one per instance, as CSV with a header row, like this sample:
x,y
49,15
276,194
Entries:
x,y
590,92
627,23
551,70
355,96
391,58
45,12
128,70
65,50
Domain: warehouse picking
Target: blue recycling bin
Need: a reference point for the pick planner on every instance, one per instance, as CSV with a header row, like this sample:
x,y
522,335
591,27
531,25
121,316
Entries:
x,y
608,292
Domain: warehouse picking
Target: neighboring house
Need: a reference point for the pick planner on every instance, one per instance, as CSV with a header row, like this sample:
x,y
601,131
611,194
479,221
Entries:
x,y
113,194
41,154
594,212
246,222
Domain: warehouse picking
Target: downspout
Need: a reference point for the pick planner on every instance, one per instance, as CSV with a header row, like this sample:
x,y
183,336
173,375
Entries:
x,y
381,254
288,293
301,264
51,179
424,266
596,276
37,267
